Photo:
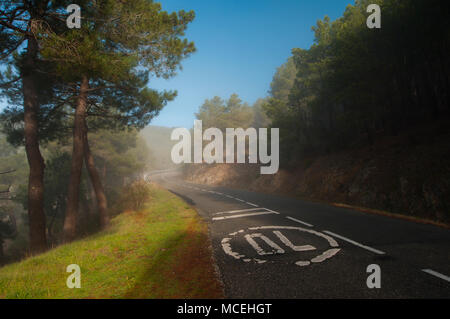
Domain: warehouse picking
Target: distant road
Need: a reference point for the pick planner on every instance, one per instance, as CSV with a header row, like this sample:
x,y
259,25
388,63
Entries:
x,y
268,246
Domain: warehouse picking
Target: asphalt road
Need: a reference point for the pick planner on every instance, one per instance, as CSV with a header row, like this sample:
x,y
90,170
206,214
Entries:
x,y
268,246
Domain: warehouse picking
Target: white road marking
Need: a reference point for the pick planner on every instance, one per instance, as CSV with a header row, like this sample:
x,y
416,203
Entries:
x,y
276,249
376,251
227,248
218,193
299,221
241,216
272,211
436,274
251,204
303,263
288,243
331,241
238,211
328,254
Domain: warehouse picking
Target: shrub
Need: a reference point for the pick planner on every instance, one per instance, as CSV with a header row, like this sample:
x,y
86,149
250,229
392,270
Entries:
x,y
136,194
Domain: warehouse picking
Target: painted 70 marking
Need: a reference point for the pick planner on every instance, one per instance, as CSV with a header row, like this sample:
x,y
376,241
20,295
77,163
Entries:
x,y
253,234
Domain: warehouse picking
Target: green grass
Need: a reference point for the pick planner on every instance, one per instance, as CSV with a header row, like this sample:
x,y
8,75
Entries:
x,y
161,251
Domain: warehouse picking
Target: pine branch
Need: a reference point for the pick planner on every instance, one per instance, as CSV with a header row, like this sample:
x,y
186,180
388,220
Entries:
x,y
13,27
6,84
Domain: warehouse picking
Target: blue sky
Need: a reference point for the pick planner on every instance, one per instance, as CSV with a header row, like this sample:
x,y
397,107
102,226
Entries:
x,y
239,46
240,43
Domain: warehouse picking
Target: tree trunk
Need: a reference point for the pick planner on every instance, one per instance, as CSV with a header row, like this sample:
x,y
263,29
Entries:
x,y
70,221
2,256
96,181
84,224
36,215
92,201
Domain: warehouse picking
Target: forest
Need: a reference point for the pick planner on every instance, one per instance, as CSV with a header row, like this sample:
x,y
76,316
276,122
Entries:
x,y
356,83
353,84
72,93
363,114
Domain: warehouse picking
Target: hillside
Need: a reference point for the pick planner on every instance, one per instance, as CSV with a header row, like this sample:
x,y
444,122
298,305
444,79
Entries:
x,y
160,251
407,174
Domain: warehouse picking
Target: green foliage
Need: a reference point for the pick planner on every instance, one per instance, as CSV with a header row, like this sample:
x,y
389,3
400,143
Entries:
x,y
260,118
283,80
121,157
222,114
119,46
116,36
55,185
12,159
166,237
354,82
12,216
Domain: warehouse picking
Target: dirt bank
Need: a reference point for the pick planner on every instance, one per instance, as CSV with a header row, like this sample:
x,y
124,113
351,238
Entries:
x,y
407,174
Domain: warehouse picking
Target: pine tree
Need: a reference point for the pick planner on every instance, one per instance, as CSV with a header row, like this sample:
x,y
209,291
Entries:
x,y
107,63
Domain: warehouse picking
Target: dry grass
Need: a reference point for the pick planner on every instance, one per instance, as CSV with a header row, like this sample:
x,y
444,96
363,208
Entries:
x,y
161,251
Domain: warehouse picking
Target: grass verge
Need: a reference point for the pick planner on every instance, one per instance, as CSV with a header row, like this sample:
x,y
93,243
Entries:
x,y
161,251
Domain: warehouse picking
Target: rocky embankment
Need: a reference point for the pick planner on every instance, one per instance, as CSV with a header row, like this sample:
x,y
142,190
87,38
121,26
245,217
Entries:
x,y
407,175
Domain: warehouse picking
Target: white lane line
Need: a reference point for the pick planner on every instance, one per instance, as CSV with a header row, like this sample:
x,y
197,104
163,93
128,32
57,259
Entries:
x,y
229,196
241,200
242,215
238,211
376,251
251,204
436,274
272,211
299,221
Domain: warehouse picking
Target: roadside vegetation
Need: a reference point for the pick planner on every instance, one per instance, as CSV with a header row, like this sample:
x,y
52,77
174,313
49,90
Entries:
x,y
160,250
121,157
86,86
